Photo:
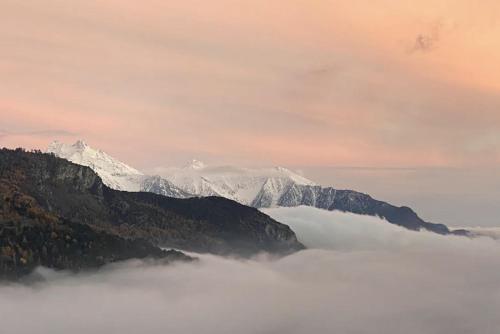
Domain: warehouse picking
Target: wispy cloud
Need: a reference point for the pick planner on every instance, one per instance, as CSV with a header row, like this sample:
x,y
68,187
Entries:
x,y
428,41
43,133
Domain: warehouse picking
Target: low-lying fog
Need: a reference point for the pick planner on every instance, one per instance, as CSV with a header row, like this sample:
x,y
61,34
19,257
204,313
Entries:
x,y
361,275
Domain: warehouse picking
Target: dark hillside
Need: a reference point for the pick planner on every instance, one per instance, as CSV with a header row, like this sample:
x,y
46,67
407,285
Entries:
x,y
77,194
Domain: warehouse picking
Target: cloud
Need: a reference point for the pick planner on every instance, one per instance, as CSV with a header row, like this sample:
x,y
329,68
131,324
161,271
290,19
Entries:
x,y
492,232
427,42
367,277
24,136
341,231
277,83
40,133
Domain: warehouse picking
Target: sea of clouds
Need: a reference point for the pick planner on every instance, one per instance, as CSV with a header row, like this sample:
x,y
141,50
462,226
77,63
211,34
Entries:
x,y
359,275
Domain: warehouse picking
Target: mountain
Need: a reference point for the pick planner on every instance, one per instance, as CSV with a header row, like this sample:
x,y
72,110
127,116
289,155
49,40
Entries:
x,y
210,224
270,187
260,188
244,185
114,173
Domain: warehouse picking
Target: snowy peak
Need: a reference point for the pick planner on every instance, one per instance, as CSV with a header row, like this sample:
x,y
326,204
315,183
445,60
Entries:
x,y
62,148
195,164
261,187
293,176
113,172
243,185
80,145
55,146
83,154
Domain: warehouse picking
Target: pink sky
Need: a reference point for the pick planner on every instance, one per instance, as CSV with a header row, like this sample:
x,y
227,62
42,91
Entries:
x,y
295,82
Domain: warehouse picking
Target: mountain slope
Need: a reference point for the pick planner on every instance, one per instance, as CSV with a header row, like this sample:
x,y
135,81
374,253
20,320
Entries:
x,y
76,193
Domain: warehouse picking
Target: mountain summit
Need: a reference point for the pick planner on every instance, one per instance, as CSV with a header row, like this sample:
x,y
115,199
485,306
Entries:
x,y
114,173
195,164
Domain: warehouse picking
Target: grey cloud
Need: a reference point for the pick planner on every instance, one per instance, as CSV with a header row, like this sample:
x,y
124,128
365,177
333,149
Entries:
x,y
399,281
425,42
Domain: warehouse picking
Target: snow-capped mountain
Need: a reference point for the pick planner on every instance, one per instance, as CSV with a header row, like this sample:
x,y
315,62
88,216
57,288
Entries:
x,y
114,173
257,187
273,187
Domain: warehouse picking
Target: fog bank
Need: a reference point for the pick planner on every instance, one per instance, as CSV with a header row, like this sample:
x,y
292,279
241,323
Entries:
x,y
364,276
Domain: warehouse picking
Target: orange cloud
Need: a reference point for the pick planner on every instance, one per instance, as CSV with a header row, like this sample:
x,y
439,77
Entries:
x,y
371,83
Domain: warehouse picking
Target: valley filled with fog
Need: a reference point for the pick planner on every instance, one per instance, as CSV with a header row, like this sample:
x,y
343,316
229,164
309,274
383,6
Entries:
x,y
359,275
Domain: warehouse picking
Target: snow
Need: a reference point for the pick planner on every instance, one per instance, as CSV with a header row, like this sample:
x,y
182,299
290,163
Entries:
x,y
240,184
249,186
114,173
195,164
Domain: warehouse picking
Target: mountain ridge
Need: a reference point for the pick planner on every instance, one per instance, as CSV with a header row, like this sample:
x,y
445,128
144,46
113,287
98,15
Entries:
x,y
278,186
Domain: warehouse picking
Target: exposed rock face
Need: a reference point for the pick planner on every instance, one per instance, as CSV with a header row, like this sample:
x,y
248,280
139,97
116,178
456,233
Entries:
x,y
210,224
351,201
30,236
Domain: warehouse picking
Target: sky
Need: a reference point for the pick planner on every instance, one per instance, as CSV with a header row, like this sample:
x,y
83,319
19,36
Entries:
x,y
348,281
312,84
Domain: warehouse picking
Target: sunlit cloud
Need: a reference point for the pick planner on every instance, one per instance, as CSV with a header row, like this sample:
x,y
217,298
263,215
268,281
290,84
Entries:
x,y
381,83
